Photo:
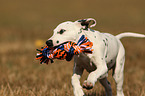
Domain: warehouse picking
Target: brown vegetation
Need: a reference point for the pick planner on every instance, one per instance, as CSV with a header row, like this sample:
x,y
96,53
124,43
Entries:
x,y
24,22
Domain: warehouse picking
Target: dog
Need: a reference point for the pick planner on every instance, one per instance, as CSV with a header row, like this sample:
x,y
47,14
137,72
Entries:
x,y
108,53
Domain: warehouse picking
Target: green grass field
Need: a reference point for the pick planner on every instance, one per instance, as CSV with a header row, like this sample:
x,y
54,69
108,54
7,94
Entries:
x,y
23,23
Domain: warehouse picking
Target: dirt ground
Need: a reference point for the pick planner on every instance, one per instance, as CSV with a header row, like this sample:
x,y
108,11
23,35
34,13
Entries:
x,y
26,25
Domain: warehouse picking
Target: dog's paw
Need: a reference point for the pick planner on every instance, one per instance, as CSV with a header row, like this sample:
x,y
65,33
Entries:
x,y
78,92
87,85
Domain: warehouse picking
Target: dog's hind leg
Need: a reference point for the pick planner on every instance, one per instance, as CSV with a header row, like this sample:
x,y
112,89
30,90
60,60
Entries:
x,y
107,86
118,71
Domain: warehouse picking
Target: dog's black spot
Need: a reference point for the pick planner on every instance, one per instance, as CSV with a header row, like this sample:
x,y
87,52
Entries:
x,y
57,41
95,36
85,23
106,56
61,31
105,42
80,31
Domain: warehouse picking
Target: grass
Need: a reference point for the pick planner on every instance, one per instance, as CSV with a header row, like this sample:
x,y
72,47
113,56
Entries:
x,y
22,23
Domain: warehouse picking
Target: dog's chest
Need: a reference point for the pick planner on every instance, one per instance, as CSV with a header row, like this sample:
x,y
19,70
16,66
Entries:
x,y
83,60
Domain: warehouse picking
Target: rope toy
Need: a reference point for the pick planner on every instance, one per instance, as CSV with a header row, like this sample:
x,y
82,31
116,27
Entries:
x,y
64,51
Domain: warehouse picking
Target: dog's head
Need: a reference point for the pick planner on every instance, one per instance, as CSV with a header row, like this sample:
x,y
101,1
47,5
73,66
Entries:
x,y
69,31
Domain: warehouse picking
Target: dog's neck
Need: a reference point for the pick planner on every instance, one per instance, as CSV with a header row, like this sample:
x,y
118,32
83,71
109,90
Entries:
x,y
79,34
87,32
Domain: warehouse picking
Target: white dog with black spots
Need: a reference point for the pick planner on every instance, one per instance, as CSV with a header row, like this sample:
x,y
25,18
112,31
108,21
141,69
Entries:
x,y
108,53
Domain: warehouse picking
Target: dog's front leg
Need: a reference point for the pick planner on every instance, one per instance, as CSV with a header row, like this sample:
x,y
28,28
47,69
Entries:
x,y
93,76
75,80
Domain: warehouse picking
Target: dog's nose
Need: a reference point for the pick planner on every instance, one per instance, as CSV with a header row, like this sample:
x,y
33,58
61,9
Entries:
x,y
49,43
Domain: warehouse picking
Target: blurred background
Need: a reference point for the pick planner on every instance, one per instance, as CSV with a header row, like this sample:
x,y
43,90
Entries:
x,y
25,25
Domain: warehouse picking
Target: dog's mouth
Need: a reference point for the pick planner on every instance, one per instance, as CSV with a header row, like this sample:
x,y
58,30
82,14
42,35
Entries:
x,y
68,58
54,47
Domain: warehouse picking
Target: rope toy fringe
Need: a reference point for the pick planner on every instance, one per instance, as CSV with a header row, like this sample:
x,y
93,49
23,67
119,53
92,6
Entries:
x,y
64,51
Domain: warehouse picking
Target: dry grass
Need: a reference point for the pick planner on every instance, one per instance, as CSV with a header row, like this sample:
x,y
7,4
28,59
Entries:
x,y
24,22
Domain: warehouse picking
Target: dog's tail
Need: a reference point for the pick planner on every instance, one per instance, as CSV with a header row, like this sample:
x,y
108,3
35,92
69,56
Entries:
x,y
129,34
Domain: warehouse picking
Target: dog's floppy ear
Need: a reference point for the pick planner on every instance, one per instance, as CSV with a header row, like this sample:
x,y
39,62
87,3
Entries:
x,y
87,23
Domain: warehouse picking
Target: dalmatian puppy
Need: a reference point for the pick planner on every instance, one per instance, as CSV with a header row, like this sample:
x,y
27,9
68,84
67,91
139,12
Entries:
x,y
108,54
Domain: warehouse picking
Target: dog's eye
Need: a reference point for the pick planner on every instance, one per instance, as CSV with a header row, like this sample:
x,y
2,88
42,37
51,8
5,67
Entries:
x,y
61,31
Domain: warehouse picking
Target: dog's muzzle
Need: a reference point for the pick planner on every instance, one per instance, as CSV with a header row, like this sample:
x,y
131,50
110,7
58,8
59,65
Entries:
x,y
49,43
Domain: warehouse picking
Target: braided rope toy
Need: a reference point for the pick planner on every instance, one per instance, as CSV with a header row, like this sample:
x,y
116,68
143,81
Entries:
x,y
64,51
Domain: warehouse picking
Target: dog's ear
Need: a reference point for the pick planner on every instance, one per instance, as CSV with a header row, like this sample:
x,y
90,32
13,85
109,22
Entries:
x,y
87,23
